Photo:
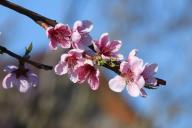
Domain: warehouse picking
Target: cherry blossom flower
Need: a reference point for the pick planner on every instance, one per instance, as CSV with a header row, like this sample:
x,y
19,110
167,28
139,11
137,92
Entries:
x,y
87,71
68,62
60,34
23,80
80,34
130,77
148,74
108,49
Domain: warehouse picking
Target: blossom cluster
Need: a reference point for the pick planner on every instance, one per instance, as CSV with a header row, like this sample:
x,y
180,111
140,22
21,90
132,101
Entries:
x,y
83,57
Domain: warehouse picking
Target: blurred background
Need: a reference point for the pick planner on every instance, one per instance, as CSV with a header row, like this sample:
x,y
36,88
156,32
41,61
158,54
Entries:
x,y
160,29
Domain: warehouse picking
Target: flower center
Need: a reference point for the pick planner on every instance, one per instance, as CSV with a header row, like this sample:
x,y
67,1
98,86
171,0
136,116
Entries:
x,y
129,76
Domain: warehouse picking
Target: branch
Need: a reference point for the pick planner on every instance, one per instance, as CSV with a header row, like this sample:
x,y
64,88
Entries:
x,y
39,19
45,22
14,55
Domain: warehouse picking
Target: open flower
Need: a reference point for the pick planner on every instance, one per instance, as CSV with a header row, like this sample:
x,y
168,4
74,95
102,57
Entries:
x,y
80,34
130,77
60,34
68,62
149,74
108,49
23,80
87,71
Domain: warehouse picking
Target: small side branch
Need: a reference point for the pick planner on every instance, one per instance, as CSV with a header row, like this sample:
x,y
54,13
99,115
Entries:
x,y
18,57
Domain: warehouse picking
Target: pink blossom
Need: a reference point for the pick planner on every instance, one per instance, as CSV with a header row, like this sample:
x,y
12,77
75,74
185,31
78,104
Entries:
x,y
23,80
108,49
80,34
87,71
148,74
130,77
60,34
68,62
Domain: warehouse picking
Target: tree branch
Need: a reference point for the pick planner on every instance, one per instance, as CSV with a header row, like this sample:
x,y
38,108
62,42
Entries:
x,y
45,22
18,57
39,19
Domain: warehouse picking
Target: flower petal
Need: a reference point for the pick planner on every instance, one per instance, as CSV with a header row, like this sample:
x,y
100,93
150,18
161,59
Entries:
x,y
24,85
77,53
53,45
65,44
133,89
61,68
86,40
82,73
73,76
76,36
84,26
150,70
8,81
124,67
104,39
140,82
115,45
117,84
93,80
10,68
33,79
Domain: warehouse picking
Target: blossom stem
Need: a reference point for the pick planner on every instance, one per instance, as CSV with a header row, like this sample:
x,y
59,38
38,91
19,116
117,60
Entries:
x,y
20,58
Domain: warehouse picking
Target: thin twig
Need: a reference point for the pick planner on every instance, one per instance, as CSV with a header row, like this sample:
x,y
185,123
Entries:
x,y
18,57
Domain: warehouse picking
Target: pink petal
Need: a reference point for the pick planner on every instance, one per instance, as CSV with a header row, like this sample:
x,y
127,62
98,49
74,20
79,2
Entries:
x,y
24,85
63,28
86,40
117,84
133,89
104,39
48,31
76,53
73,76
76,37
83,73
64,58
65,44
93,80
140,82
8,81
150,70
96,47
137,67
53,45
124,67
33,79
133,52
61,68
10,68
115,45
84,26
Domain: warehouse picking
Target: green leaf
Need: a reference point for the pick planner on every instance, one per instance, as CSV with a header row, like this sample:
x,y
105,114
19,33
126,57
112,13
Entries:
x,y
28,49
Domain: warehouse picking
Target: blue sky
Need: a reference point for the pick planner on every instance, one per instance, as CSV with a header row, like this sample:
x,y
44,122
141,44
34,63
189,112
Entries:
x,y
163,35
